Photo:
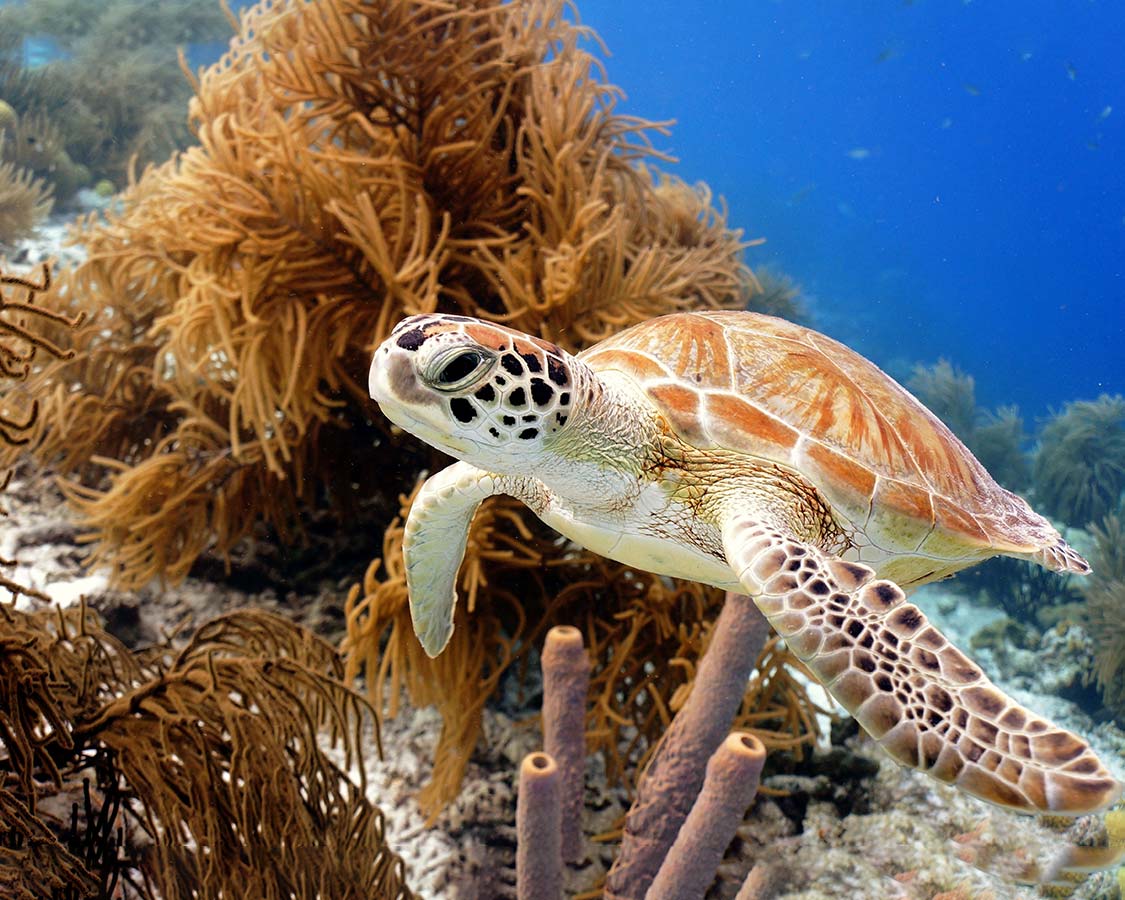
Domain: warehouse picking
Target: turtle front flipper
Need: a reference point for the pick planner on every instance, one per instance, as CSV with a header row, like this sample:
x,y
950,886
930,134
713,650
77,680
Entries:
x,y
433,545
923,700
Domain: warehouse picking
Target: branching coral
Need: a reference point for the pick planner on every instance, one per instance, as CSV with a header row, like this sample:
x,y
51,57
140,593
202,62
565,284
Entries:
x,y
239,805
356,162
25,201
22,325
34,143
1080,464
115,91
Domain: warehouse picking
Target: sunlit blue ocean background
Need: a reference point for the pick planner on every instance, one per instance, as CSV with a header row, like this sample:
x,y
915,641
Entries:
x,y
944,178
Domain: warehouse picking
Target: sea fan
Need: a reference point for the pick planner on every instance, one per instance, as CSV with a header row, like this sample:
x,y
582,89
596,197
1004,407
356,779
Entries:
x,y
25,201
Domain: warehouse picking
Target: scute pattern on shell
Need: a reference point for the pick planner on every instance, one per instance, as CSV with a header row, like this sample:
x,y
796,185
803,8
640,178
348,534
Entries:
x,y
772,389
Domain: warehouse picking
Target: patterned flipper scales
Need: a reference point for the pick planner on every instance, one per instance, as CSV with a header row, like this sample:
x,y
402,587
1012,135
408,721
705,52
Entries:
x,y
924,701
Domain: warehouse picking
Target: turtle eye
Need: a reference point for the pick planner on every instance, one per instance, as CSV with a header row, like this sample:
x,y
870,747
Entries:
x,y
451,372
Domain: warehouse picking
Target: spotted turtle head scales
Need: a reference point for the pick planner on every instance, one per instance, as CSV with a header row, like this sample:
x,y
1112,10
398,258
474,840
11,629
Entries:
x,y
480,391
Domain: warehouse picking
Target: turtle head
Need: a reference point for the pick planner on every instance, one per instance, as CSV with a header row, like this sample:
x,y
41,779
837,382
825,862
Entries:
x,y
481,392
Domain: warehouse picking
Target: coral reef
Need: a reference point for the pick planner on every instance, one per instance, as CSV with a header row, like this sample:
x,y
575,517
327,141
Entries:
x,y
776,294
357,162
244,702
115,91
25,200
1080,463
1104,614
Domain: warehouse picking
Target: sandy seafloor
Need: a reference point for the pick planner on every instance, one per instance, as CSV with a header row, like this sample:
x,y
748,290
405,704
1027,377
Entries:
x,y
900,839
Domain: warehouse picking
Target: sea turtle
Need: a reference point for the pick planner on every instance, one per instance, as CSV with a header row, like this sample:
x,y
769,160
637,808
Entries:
x,y
753,454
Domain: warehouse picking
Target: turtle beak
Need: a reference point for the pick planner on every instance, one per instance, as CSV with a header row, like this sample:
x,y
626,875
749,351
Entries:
x,y
393,383
377,385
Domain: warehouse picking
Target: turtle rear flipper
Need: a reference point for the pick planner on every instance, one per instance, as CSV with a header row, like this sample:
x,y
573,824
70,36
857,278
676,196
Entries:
x,y
923,700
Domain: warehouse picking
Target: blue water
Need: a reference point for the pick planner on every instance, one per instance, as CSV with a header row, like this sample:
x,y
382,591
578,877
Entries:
x,y
945,178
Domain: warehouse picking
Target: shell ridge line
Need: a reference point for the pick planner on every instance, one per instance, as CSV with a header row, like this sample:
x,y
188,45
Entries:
x,y
882,419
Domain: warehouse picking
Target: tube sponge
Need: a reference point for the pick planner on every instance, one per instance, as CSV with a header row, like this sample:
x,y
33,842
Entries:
x,y
728,789
538,827
673,779
566,682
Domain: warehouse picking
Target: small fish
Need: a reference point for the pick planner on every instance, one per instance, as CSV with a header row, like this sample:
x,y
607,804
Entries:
x,y
859,153
1071,72
1026,56
971,89
801,194
947,122
888,53
1106,113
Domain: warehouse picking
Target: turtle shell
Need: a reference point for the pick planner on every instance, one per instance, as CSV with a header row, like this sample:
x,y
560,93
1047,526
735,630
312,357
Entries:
x,y
777,391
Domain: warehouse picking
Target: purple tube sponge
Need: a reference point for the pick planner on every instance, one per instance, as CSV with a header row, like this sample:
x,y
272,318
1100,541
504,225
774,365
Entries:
x,y
728,790
674,777
538,823
566,682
